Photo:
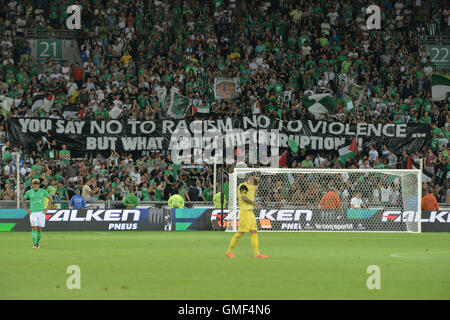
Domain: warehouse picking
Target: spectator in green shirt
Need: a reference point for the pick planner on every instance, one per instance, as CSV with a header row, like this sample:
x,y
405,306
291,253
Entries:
x,y
307,163
62,195
159,191
131,201
7,156
64,154
217,200
52,188
145,192
207,193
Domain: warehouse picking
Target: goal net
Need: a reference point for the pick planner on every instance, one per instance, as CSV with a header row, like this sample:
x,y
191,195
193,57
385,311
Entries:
x,y
374,200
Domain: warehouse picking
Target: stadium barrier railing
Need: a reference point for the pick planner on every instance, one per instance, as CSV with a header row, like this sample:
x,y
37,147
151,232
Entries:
x,y
50,34
109,204
437,40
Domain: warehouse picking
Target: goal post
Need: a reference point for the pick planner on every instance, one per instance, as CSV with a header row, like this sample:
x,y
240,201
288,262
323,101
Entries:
x,y
350,200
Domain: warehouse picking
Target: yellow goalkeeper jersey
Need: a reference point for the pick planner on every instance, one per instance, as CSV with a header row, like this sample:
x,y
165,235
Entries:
x,y
250,194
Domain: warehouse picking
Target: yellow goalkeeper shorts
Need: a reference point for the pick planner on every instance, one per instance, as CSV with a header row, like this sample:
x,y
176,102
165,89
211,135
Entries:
x,y
247,221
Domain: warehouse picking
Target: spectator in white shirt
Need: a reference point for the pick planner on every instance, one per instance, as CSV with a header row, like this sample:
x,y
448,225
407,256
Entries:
x,y
373,154
55,74
332,16
9,169
25,169
325,27
6,44
386,193
318,161
306,49
329,75
357,202
135,176
71,87
66,71
197,100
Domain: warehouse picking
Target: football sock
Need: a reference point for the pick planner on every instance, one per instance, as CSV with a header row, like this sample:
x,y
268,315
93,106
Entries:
x,y
38,237
255,243
234,241
34,236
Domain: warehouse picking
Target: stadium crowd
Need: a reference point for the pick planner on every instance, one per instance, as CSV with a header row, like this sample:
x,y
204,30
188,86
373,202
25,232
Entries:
x,y
130,50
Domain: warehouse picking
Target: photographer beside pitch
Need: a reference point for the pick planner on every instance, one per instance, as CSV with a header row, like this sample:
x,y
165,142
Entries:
x,y
37,211
247,220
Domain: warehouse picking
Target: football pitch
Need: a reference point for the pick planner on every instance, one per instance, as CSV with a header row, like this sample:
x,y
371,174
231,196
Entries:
x,y
192,265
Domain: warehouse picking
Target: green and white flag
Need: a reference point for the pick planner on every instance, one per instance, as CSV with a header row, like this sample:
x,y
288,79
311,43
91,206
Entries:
x,y
440,86
318,104
293,144
7,102
349,106
161,93
178,106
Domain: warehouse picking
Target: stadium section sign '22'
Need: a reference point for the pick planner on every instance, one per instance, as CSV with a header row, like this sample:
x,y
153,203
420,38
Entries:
x,y
134,135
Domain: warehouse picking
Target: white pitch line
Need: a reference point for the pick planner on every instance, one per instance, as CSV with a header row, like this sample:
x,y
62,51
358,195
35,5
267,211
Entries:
x,y
425,255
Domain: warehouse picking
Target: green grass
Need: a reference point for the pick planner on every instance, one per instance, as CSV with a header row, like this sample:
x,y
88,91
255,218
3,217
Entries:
x,y
192,265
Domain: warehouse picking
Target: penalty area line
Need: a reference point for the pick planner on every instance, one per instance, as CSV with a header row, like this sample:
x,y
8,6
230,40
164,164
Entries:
x,y
424,255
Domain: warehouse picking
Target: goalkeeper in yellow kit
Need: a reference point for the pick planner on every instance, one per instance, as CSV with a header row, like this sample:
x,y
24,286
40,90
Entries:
x,y
247,220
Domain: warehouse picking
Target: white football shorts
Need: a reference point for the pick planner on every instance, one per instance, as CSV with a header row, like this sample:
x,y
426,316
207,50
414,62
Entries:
x,y
37,219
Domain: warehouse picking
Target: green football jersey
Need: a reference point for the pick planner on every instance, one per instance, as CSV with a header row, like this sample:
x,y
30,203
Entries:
x,y
37,199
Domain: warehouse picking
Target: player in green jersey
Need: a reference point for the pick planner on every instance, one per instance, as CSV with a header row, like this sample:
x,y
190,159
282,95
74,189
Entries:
x,y
37,210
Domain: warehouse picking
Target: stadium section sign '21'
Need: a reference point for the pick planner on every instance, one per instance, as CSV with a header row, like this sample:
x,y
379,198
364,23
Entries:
x,y
134,135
